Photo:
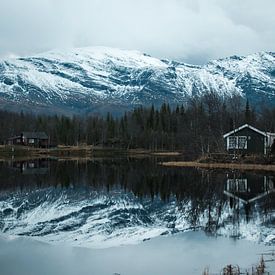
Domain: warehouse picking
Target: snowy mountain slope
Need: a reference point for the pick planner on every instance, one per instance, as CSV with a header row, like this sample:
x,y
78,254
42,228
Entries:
x,y
99,79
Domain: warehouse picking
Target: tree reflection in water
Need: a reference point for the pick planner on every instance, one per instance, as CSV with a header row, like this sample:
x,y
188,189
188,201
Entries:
x,y
219,202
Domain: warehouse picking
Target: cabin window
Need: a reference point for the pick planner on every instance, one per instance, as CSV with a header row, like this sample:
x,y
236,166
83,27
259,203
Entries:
x,y
237,185
237,142
242,142
18,140
232,142
31,140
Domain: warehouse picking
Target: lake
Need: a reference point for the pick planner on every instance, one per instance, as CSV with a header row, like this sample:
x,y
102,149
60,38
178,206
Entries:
x,y
92,215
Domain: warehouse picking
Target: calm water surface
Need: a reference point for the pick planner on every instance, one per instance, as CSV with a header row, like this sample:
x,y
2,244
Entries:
x,y
115,206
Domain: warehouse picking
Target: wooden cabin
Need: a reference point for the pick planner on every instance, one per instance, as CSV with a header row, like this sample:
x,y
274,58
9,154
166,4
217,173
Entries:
x,y
248,140
34,139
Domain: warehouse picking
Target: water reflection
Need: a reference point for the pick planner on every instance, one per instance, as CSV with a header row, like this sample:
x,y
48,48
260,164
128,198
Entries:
x,y
105,202
248,188
35,166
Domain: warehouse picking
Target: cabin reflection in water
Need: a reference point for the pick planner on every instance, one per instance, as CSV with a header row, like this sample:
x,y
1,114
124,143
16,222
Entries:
x,y
31,167
248,188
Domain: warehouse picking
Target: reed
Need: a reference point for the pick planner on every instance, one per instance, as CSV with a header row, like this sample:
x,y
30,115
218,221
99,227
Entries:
x,y
259,269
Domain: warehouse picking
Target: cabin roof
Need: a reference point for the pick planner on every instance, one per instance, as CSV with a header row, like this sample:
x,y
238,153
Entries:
x,y
38,135
245,126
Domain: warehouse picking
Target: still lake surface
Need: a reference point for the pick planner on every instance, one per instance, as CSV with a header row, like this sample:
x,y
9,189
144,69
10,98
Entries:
x,y
131,216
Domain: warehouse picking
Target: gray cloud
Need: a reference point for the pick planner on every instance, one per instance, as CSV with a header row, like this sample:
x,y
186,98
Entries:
x,y
190,30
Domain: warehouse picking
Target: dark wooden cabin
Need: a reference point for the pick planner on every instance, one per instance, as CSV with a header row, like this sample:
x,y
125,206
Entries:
x,y
248,140
34,139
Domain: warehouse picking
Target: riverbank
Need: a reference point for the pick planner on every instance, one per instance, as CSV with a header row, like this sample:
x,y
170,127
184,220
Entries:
x,y
87,152
226,166
79,152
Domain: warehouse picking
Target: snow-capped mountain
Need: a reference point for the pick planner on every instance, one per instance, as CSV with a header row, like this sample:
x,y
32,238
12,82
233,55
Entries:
x,y
99,79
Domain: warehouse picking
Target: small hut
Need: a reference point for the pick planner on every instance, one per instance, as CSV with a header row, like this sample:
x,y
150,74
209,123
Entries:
x,y
34,139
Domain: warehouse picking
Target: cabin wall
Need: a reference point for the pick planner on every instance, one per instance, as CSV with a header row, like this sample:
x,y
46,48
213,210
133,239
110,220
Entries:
x,y
36,142
15,141
256,143
43,143
32,142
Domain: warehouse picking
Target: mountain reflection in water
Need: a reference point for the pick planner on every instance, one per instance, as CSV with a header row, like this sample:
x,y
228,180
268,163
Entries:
x,y
109,202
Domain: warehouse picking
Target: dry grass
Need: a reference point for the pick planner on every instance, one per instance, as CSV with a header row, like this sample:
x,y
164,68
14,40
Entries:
x,y
75,148
231,166
166,154
259,269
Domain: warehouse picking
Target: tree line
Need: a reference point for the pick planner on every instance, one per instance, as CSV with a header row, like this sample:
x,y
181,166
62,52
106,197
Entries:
x,y
195,127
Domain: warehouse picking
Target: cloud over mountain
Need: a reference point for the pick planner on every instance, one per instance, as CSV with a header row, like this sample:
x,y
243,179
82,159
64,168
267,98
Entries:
x,y
191,30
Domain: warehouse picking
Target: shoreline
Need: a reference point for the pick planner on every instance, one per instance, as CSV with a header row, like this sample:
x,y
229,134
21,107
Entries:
x,y
76,152
88,152
231,166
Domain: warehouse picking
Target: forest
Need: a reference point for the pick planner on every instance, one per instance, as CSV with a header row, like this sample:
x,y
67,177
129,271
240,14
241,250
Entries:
x,y
194,127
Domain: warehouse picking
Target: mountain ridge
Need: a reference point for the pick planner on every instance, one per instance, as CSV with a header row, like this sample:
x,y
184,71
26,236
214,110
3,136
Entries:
x,y
101,79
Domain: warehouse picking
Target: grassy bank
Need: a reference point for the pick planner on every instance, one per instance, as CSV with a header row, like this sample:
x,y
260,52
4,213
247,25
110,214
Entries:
x,y
228,166
71,152
229,162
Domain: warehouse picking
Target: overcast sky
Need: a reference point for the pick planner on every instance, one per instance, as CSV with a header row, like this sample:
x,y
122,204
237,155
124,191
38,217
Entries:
x,y
193,31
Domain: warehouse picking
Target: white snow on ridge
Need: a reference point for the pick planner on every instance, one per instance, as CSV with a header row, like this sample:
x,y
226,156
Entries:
x,y
132,59
255,65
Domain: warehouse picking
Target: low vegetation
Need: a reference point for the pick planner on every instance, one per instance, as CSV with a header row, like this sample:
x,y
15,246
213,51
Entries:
x,y
259,269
